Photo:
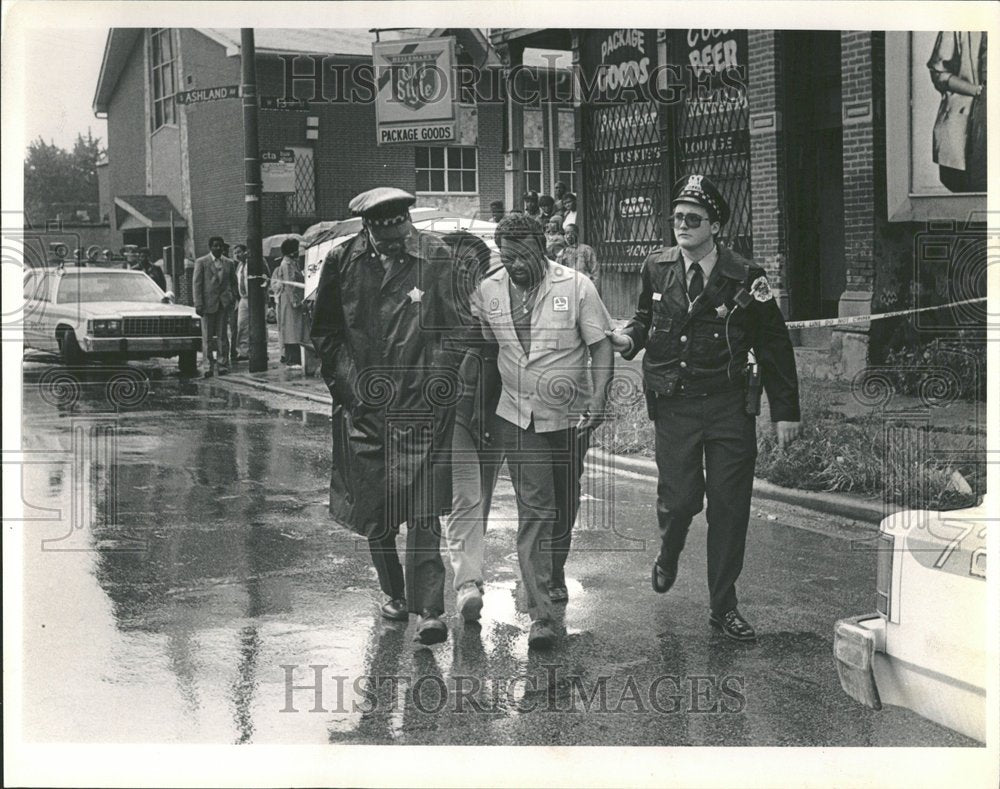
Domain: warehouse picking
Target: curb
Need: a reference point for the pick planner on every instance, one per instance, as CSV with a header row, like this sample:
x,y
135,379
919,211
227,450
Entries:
x,y
266,386
837,504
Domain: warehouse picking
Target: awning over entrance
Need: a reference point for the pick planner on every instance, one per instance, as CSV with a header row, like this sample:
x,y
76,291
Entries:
x,y
146,212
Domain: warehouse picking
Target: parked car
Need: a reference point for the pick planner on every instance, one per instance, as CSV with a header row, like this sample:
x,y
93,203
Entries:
x,y
88,314
924,647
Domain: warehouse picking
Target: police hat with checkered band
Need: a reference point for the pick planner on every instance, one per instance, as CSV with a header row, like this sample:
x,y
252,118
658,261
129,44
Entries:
x,y
383,207
700,190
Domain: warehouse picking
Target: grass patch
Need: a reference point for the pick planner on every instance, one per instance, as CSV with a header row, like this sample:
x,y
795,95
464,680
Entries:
x,y
867,455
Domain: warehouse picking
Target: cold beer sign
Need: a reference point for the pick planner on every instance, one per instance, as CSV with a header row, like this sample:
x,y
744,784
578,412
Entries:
x,y
415,102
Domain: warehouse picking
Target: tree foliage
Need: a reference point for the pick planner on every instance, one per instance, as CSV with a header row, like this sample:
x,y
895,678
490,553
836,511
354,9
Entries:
x,y
56,179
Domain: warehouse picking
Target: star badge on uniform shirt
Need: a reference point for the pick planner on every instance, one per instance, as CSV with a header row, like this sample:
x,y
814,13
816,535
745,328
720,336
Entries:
x,y
416,295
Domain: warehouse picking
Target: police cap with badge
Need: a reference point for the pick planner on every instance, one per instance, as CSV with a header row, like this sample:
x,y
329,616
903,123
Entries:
x,y
698,189
385,210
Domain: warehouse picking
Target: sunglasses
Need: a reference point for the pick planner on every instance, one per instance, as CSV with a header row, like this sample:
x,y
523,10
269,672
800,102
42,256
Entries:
x,y
692,220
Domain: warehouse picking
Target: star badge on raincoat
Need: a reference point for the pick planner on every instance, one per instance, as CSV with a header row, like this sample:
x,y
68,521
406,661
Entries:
x,y
722,310
761,290
415,295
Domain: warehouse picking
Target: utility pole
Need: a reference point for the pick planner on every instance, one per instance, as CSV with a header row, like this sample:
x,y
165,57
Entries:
x,y
256,276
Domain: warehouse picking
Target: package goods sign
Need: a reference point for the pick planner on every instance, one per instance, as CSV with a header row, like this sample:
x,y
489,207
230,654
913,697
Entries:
x,y
415,102
277,170
617,64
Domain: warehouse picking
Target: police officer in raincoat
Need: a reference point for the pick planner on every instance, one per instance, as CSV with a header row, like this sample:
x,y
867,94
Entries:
x,y
389,342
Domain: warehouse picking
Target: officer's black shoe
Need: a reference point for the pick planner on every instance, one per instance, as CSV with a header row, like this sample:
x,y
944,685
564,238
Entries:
x,y
733,625
664,573
431,630
395,610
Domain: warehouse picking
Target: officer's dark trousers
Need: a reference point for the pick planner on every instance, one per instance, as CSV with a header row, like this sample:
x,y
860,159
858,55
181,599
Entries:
x,y
707,446
424,579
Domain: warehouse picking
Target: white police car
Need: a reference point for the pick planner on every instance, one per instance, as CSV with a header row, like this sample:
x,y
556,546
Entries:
x,y
925,646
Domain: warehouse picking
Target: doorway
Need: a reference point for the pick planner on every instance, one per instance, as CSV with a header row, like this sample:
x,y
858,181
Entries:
x,y
814,179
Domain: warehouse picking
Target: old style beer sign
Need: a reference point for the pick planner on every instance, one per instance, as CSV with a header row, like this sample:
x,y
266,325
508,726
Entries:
x,y
415,102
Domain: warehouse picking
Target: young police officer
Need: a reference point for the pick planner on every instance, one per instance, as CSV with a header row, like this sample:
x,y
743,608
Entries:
x,y
712,331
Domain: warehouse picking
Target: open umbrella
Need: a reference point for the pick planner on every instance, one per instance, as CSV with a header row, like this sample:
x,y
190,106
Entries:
x,y
272,244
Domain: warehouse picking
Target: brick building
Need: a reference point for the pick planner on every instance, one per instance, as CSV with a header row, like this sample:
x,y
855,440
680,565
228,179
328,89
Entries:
x,y
805,134
180,165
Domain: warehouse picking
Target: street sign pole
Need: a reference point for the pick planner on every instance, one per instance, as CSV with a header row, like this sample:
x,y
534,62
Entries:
x,y
252,189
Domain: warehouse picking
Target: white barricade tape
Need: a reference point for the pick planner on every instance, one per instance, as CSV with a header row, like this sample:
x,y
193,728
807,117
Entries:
x,y
877,316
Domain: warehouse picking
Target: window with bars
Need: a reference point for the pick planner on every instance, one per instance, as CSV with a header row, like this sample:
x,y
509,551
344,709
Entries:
x,y
567,174
163,77
533,169
302,202
449,169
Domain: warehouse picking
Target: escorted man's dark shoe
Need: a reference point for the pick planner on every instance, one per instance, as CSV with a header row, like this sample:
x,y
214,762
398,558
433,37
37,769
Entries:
x,y
396,610
541,635
664,573
431,630
733,625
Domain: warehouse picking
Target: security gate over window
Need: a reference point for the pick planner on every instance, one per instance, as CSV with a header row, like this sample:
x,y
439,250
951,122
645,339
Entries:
x,y
622,154
711,130
302,202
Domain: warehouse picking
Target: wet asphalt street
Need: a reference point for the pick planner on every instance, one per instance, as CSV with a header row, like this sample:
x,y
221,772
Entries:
x,y
183,582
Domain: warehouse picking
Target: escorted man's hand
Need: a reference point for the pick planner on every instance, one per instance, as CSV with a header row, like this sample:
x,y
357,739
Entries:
x,y
620,342
592,418
787,432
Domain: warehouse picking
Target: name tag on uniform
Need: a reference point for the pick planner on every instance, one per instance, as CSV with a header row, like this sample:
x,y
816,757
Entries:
x,y
560,304
657,296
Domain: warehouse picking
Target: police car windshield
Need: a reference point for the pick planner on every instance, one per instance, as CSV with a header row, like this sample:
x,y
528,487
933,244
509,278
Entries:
x,y
110,286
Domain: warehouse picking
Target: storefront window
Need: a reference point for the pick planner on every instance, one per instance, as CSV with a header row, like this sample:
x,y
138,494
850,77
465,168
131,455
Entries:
x,y
533,169
448,169
566,172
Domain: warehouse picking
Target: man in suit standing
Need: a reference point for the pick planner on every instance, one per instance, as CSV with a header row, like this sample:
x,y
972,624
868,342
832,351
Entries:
x,y
708,322
214,286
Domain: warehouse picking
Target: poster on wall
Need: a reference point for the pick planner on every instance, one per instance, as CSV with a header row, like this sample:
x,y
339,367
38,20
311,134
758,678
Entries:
x,y
935,124
277,170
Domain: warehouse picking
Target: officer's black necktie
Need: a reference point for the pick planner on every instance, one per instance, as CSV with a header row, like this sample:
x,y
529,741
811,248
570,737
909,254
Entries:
x,y
697,283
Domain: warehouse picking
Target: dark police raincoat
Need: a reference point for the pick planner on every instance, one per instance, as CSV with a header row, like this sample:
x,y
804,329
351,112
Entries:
x,y
389,344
